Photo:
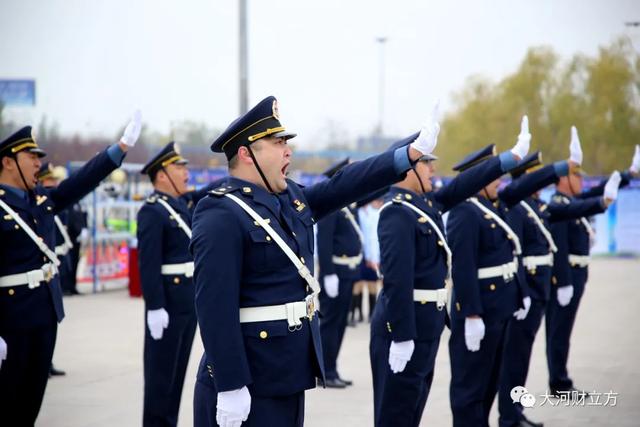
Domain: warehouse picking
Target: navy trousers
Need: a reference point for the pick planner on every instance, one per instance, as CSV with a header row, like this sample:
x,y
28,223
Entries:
x,y
474,375
285,411
559,325
333,322
399,399
25,372
165,365
515,362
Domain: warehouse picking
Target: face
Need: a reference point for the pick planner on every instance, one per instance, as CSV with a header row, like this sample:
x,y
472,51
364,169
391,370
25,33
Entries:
x,y
492,189
274,156
575,183
179,175
30,166
425,171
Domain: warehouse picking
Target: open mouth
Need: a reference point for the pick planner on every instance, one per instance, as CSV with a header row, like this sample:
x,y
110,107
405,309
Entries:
x,y
285,170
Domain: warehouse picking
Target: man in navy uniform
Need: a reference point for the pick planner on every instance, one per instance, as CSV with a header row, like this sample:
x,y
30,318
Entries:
x,y
570,265
415,263
253,253
339,257
166,274
488,291
30,295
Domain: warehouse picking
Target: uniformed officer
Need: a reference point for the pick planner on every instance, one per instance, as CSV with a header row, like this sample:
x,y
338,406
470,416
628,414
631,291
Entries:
x,y
253,251
166,274
30,296
339,257
488,290
49,178
415,263
570,267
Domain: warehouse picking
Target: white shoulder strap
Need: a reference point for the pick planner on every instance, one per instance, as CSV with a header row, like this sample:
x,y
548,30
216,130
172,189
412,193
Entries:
x,y
354,224
63,231
176,216
302,269
588,226
433,225
512,236
543,229
32,235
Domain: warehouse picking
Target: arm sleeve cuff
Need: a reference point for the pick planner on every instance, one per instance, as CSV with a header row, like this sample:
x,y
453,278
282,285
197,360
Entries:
x,y
561,168
401,161
507,161
115,154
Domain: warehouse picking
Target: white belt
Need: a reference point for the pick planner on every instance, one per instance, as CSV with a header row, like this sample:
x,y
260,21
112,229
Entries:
x,y
579,260
506,271
186,269
292,312
31,278
352,262
439,296
62,250
531,262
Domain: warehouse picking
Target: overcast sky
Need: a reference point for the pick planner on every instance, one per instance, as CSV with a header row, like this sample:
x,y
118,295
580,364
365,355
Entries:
x,y
95,61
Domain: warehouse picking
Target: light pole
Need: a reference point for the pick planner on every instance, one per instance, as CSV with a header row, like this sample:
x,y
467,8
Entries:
x,y
381,41
243,66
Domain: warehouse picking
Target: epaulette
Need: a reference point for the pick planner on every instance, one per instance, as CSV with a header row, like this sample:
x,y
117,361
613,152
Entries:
x,y
152,199
397,198
222,190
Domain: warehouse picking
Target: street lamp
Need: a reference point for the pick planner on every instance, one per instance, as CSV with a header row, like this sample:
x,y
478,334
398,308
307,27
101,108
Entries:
x,y
381,41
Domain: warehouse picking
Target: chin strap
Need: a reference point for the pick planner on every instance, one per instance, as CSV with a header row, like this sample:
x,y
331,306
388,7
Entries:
x,y
24,181
413,168
255,162
171,181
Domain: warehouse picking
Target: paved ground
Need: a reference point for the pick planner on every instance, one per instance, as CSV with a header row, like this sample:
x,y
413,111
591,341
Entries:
x,y
100,347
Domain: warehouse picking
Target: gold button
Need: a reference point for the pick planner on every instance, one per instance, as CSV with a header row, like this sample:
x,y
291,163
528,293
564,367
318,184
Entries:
x,y
458,306
487,216
423,302
176,280
268,238
492,287
554,280
49,208
509,237
440,243
1,192
17,227
408,196
263,334
11,292
430,204
493,226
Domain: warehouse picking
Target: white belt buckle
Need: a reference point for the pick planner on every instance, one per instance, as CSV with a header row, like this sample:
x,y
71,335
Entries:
x,y
441,298
32,279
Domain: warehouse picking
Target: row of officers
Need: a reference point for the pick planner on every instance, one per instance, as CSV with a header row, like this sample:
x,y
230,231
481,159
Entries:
x,y
243,247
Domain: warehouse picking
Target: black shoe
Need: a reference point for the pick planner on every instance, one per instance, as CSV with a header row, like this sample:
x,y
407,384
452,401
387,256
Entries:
x,y
570,392
332,383
525,422
346,382
56,372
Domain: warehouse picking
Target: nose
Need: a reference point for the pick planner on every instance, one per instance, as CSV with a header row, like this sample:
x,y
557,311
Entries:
x,y
288,151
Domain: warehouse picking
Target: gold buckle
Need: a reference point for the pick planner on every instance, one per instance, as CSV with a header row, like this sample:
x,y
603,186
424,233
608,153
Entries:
x,y
311,307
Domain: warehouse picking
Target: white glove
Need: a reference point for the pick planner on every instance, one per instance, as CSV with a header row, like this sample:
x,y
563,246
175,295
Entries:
x,y
524,139
565,293
133,129
473,333
428,138
611,187
399,354
233,407
575,151
157,320
635,163
3,351
331,283
521,314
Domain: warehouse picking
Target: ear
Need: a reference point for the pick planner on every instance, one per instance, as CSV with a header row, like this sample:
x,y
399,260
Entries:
x,y
7,162
244,156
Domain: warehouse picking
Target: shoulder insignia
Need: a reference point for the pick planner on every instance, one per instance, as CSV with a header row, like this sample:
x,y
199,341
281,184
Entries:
x,y
40,199
220,191
151,199
422,220
2,192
